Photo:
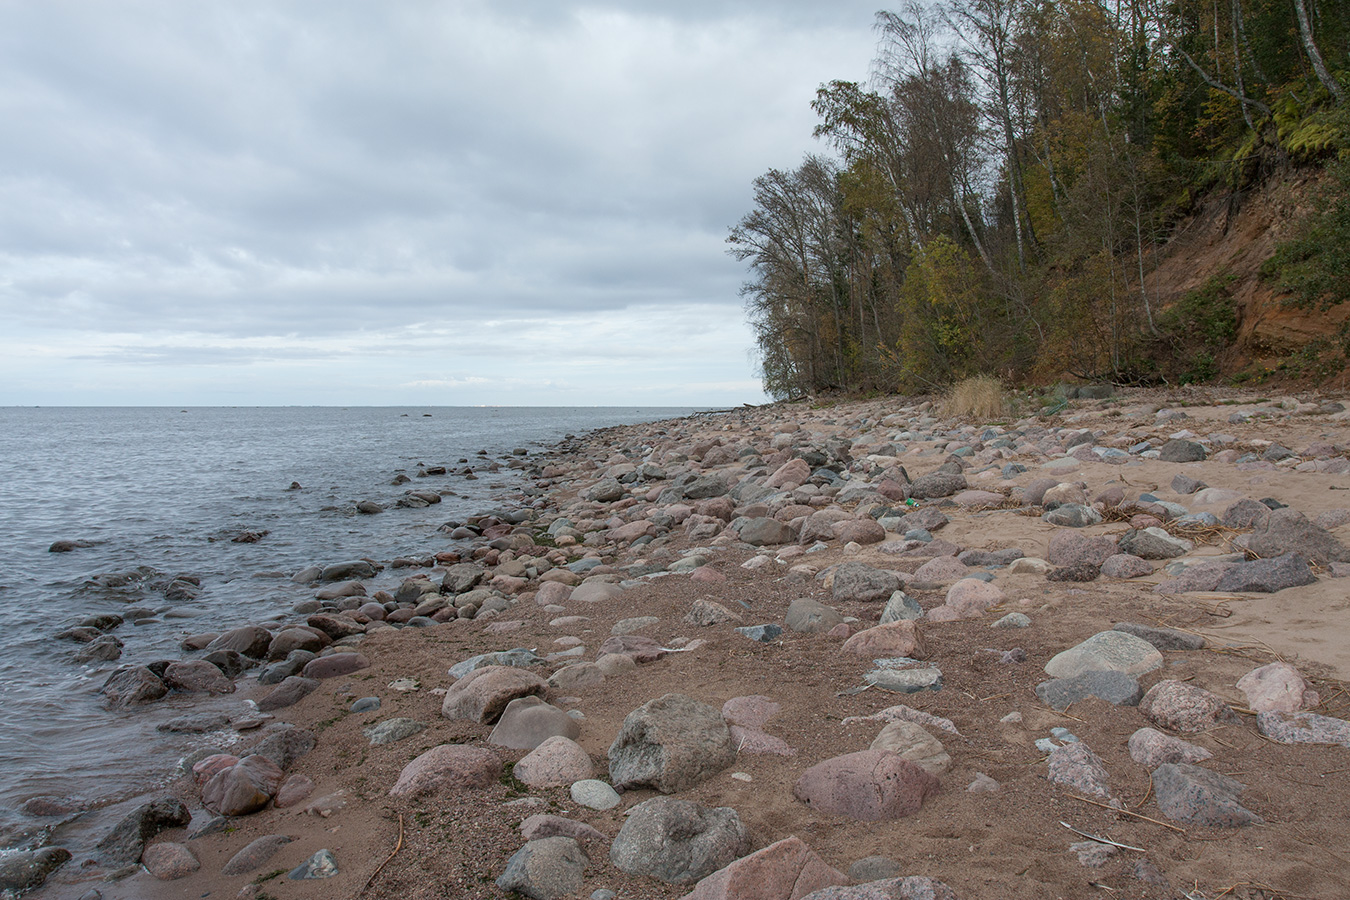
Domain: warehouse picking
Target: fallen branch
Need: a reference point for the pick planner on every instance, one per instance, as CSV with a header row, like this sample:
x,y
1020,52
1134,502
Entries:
x,y
1102,840
1126,812
397,847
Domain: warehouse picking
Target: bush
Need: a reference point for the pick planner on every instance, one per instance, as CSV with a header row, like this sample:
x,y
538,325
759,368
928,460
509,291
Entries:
x,y
981,396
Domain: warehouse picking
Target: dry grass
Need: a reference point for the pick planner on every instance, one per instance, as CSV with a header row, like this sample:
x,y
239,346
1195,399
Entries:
x,y
981,396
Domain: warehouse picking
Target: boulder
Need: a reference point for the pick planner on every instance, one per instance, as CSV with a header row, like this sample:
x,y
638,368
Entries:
x,y
1266,576
482,695
334,665
859,582
1179,706
859,531
1115,688
914,744
528,721
937,484
24,870
285,744
344,571
556,761
1289,531
545,825
255,853
785,870
546,869
197,676
763,532
970,598
447,768
901,638
132,685
1073,515
709,612
290,691
811,616
1163,638
671,743
125,843
1123,565
169,861
1076,767
1194,796
678,841
1153,543
1150,747
243,788
1277,687
1071,548
1303,728
336,627
1106,651
391,730
911,887
1181,451
250,640
870,786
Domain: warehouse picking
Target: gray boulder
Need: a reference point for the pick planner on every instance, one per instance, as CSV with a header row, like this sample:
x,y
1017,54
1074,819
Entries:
x,y
346,571
125,843
901,606
1163,638
936,484
671,743
1289,531
859,582
528,721
1153,543
705,487
1115,688
1266,576
21,872
763,531
811,616
546,869
678,841
1106,651
1195,796
1073,515
911,887
1179,451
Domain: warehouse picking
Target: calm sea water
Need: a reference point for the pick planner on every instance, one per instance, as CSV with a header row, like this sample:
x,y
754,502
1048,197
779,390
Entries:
x,y
166,488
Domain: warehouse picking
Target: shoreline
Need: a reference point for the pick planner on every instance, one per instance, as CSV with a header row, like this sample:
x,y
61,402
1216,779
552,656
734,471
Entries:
x,y
639,516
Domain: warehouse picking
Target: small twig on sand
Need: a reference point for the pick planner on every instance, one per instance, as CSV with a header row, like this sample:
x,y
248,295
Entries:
x,y
397,847
1102,840
1126,812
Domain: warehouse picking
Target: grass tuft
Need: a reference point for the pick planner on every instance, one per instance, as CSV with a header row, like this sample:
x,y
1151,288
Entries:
x,y
981,396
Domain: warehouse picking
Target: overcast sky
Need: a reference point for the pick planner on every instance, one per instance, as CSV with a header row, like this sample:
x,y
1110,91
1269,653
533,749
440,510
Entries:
x,y
518,202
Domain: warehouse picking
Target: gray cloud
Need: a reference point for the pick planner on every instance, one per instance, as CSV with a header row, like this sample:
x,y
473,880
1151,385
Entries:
x,y
189,187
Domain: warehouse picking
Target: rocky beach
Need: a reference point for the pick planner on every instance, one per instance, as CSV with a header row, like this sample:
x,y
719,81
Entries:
x,y
861,650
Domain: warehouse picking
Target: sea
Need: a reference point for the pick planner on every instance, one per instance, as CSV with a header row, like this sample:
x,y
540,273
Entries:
x,y
161,492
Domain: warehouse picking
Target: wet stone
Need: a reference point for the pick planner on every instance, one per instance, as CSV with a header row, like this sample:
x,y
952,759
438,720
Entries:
x,y
321,865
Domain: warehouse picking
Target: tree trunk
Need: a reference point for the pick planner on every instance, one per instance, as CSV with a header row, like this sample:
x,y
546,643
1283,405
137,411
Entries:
x,y
1314,55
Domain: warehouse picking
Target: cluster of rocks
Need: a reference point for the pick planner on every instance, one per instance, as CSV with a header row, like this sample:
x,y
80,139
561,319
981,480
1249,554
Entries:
x,y
830,508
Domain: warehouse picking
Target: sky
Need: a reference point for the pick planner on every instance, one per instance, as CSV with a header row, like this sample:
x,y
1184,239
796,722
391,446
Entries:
x,y
394,203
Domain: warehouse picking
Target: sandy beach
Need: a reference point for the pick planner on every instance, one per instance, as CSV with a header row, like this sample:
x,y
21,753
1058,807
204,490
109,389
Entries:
x,y
928,710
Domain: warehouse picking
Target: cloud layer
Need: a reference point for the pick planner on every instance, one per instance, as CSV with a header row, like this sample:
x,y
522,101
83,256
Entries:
x,y
342,202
